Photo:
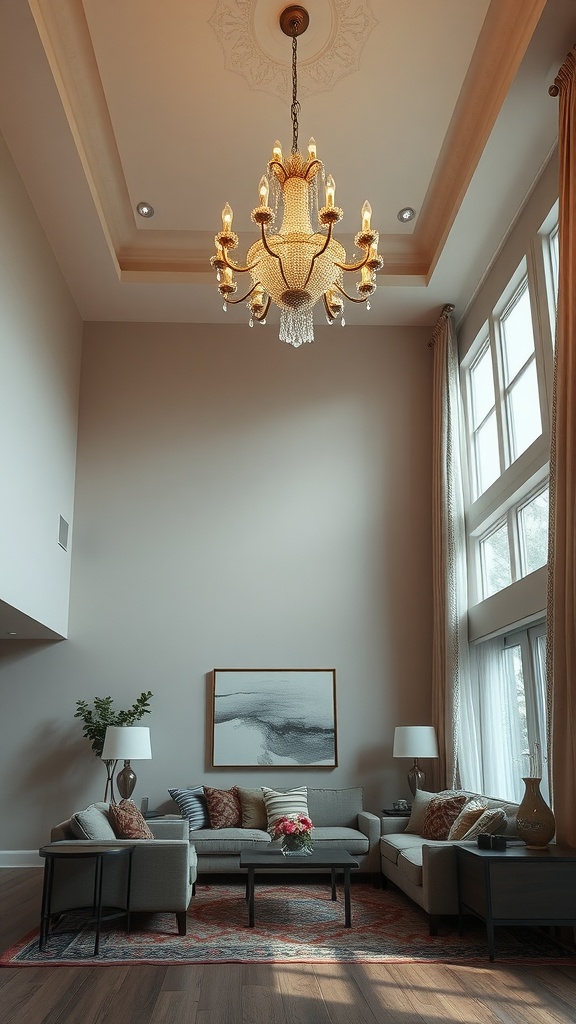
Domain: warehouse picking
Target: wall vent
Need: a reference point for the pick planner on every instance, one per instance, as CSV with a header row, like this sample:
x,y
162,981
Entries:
x,y
63,534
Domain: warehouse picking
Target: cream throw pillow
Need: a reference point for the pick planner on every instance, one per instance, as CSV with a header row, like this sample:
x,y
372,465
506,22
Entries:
x,y
490,821
468,815
253,808
419,808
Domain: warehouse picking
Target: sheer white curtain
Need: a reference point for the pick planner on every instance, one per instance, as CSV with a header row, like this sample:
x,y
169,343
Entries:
x,y
492,746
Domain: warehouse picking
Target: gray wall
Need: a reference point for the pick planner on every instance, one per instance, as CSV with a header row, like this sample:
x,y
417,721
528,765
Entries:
x,y
238,504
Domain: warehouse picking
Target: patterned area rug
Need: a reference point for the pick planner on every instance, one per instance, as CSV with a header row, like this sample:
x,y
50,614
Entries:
x,y
294,923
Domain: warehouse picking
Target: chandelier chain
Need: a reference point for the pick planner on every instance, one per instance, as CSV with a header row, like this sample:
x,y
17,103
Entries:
x,y
295,108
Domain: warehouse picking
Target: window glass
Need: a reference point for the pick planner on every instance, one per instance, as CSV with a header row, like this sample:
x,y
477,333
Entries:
x,y
555,258
517,334
495,559
487,456
533,532
512,656
525,423
482,387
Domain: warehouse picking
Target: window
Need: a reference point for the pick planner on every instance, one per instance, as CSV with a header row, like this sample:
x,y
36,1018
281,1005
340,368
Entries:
x,y
522,404
507,733
516,545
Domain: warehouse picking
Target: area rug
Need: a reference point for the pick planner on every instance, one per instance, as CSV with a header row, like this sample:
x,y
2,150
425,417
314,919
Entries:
x,y
294,923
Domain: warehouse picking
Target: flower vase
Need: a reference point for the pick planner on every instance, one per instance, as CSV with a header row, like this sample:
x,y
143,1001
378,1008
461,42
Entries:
x,y
296,845
535,822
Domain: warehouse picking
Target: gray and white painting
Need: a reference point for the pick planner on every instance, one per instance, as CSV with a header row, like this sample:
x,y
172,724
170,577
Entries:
x,y
274,717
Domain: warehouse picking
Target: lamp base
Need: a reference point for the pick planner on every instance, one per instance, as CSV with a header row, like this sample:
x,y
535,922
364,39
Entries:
x,y
125,781
416,777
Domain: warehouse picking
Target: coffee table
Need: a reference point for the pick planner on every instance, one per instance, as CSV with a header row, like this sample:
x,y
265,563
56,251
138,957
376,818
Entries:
x,y
273,860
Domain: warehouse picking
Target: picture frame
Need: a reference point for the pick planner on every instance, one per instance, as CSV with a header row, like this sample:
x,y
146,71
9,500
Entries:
x,y
274,717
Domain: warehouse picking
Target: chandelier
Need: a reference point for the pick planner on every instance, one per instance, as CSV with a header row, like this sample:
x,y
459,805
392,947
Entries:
x,y
296,266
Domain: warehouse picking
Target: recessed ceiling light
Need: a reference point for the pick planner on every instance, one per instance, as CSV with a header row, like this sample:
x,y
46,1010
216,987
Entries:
x,y
406,214
145,209
11,632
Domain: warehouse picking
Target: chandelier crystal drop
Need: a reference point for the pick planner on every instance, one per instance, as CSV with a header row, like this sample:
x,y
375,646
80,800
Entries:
x,y
295,267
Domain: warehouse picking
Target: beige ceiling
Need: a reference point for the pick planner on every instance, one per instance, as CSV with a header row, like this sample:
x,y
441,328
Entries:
x,y
441,105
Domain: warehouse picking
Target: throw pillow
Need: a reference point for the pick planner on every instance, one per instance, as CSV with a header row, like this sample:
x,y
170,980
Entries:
x,y
128,822
420,803
441,814
468,815
192,805
253,808
92,823
293,801
224,808
490,821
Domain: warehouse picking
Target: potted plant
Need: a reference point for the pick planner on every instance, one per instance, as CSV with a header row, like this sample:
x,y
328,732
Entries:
x,y
100,714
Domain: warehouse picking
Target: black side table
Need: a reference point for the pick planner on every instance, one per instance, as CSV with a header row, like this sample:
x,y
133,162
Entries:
x,y
99,854
396,812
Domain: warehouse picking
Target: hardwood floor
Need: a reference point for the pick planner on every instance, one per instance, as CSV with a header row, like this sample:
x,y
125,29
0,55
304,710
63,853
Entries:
x,y
269,994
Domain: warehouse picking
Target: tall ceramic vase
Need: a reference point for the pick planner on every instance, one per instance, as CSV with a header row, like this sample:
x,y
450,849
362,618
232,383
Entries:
x,y
535,822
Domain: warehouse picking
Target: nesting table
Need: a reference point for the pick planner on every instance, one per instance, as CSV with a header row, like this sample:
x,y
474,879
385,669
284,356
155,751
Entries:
x,y
99,854
273,860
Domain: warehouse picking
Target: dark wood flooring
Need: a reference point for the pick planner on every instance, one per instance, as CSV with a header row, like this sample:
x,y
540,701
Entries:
x,y
268,994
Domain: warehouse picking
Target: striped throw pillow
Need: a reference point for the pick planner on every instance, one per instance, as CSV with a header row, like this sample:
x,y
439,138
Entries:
x,y
293,801
192,805
490,821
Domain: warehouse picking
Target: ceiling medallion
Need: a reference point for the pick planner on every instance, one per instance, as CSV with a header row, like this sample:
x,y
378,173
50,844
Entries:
x,y
250,46
296,266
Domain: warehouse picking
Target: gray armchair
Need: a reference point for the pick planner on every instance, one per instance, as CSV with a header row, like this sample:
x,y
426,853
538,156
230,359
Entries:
x,y
163,872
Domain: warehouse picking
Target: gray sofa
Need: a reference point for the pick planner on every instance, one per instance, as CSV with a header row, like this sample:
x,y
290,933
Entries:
x,y
163,871
426,870
339,820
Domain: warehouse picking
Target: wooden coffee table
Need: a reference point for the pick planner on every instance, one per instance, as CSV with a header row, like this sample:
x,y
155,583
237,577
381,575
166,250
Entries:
x,y
273,860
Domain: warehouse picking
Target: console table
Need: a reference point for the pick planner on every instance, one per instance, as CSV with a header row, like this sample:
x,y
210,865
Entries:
x,y
517,886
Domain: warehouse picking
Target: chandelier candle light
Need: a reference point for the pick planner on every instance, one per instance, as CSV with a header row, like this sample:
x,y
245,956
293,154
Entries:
x,y
296,267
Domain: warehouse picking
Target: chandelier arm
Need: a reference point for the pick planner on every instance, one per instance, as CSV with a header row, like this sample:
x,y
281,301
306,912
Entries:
x,y
233,302
313,164
350,298
275,255
354,266
317,254
263,315
276,163
234,266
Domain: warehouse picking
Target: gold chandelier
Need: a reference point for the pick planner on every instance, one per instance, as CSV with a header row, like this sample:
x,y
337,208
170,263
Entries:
x,y
296,267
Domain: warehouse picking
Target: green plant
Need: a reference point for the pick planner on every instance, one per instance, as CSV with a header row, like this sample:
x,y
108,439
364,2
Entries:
x,y
98,716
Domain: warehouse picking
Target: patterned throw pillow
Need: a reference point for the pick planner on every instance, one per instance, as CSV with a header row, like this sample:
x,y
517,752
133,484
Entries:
x,y
490,821
192,805
224,808
293,801
128,822
253,808
441,815
468,815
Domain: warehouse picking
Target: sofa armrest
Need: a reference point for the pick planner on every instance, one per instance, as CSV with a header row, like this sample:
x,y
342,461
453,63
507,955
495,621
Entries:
x,y
369,825
392,826
440,878
169,828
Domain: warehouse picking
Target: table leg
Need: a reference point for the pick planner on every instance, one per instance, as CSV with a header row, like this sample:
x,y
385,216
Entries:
x,y
46,901
98,900
250,886
347,902
333,874
128,892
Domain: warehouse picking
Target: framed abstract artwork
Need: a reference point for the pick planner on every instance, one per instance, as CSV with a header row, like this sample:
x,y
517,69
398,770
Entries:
x,y
283,717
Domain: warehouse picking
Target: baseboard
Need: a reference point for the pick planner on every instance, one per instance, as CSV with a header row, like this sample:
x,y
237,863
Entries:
x,y
20,859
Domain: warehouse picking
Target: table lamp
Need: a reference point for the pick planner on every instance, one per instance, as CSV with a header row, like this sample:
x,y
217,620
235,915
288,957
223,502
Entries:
x,y
415,741
126,743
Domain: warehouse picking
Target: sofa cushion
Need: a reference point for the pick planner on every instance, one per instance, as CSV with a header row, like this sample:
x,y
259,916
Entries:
x,y
341,807
253,808
410,863
419,807
393,845
468,815
441,814
490,821
291,801
224,808
349,839
128,822
192,805
92,823
228,840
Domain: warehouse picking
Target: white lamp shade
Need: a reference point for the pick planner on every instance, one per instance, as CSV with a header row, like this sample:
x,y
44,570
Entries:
x,y
127,743
415,741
